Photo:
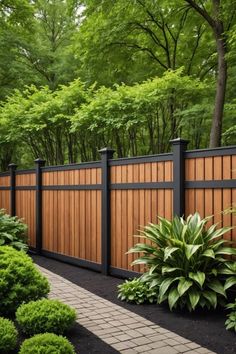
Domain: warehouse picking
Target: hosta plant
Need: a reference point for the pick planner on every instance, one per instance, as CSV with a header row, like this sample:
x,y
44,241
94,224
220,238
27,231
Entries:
x,y
137,291
186,261
231,321
12,231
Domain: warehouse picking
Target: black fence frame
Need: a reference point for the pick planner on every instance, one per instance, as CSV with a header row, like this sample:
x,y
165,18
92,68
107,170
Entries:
x,y
178,185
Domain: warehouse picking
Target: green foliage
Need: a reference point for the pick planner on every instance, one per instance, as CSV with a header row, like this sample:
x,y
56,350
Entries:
x,y
46,343
12,231
186,262
231,321
8,335
45,316
137,291
20,280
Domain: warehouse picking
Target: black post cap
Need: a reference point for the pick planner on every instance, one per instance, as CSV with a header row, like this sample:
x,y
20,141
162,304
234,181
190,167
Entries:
x,y
12,166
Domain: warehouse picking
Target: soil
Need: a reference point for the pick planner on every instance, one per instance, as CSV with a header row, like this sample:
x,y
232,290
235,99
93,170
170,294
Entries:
x,y
203,327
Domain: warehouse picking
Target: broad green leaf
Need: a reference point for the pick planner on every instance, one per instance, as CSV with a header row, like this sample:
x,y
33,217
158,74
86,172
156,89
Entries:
x,y
199,277
167,269
183,286
211,297
173,297
209,253
168,252
216,286
194,297
165,286
227,251
190,250
230,282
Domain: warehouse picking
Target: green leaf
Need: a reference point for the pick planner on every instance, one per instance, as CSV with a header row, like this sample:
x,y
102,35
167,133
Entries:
x,y
227,251
167,269
230,282
165,286
168,252
194,297
209,253
173,297
190,250
216,286
211,297
183,286
199,277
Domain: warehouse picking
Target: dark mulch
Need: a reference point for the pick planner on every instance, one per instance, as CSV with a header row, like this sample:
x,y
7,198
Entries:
x,y
204,327
84,342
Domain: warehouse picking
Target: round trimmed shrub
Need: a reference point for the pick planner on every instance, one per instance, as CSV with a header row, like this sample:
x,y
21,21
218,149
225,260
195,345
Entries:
x,y
8,335
45,316
47,343
20,280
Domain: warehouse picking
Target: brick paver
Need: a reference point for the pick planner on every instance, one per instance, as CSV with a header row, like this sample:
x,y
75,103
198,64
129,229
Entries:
x,y
122,329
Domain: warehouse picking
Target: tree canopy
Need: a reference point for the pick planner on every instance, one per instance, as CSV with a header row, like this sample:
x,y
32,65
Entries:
x,y
76,76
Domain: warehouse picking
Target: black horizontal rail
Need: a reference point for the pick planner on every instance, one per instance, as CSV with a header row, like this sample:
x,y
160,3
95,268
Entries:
x,y
141,159
5,188
77,166
222,151
145,185
72,187
213,184
72,260
25,172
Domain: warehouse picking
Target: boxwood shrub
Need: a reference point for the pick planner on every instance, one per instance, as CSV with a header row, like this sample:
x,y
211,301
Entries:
x,y
45,316
12,231
20,280
8,335
46,343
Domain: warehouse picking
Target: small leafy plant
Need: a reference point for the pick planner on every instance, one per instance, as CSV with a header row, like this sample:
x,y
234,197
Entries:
x,y
185,261
8,335
45,316
20,280
231,321
137,291
12,231
46,343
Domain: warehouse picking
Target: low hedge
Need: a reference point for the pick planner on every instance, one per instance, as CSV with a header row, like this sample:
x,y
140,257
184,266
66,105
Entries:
x,y
45,316
47,343
8,335
20,280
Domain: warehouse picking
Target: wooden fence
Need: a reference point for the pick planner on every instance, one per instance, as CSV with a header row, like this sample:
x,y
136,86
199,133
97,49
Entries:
x,y
86,214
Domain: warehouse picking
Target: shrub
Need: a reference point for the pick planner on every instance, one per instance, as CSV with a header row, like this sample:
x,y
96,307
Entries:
x,y
45,316
8,335
12,231
20,280
185,261
137,291
46,343
231,321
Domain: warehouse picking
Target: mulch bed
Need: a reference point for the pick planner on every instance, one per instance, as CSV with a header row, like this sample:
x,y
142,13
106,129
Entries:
x,y
203,327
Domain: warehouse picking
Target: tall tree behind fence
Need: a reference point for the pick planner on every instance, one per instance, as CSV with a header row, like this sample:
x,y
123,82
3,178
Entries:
x,y
87,213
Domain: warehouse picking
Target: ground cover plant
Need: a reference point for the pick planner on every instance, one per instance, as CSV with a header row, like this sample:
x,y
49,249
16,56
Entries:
x,y
231,321
137,291
12,231
45,316
47,343
20,280
186,263
8,335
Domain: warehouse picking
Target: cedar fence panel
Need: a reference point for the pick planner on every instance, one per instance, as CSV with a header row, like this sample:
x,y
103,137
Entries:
x,y
87,214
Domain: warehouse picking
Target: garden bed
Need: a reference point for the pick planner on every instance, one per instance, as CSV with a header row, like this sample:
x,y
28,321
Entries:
x,y
203,327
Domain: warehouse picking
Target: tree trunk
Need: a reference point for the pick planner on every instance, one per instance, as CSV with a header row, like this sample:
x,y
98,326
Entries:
x,y
216,128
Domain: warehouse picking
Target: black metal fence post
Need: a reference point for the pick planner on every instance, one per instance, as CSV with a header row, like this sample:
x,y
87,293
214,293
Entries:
x,y
179,147
39,163
12,168
106,154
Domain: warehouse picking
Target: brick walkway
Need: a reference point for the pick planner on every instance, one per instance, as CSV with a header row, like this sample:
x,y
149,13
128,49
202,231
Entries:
x,y
124,330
